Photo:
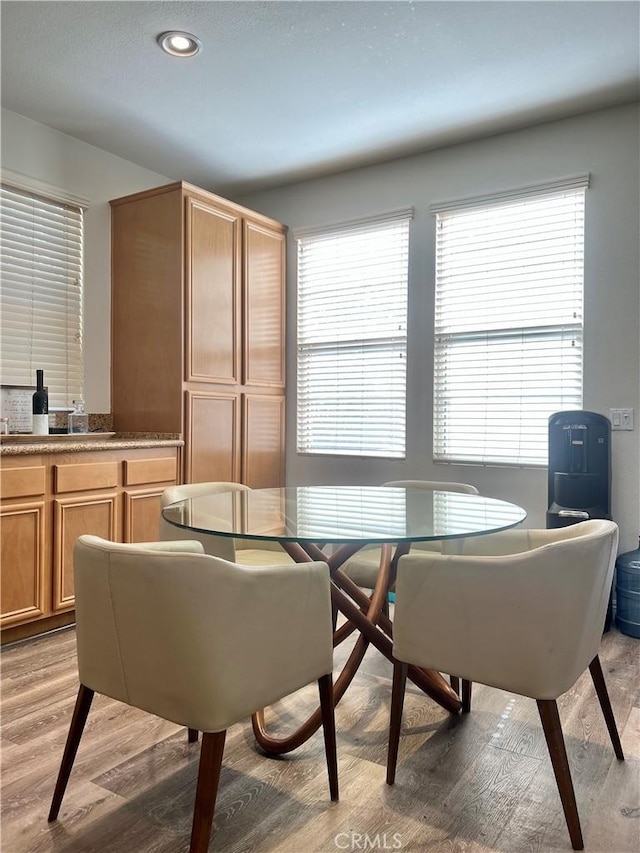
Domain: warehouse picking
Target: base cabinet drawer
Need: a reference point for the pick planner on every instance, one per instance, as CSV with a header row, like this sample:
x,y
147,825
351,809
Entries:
x,y
23,482
138,471
86,476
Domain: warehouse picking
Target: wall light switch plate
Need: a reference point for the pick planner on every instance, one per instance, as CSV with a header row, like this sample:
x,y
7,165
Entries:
x,y
621,419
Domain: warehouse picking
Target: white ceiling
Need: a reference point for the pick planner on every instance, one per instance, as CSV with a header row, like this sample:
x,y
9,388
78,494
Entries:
x,y
287,90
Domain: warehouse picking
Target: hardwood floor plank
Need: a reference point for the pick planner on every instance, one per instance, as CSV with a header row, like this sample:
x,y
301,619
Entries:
x,y
367,808
35,653
113,733
630,735
248,785
484,798
613,810
481,783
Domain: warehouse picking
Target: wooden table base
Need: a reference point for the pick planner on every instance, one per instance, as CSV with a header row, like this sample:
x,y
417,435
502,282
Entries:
x,y
368,616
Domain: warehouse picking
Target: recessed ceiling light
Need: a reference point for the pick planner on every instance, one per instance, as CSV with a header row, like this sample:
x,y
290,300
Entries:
x,y
178,43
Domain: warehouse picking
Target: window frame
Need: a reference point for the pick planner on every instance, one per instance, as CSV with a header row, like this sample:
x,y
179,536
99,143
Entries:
x,y
337,350
487,342
62,392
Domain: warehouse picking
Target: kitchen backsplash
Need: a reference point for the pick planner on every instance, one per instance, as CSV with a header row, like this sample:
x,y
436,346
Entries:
x,y
100,422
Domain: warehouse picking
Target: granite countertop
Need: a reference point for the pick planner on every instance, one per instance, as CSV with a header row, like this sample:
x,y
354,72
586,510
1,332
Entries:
x,y
31,445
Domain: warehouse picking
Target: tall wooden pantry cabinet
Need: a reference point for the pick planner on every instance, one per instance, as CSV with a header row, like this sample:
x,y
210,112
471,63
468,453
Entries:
x,y
198,330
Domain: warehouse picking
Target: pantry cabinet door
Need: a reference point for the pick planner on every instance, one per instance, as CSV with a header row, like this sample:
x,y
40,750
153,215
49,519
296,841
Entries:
x,y
264,305
213,294
212,442
263,441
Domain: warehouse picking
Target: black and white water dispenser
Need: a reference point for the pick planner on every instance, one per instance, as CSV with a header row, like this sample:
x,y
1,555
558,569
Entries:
x,y
579,468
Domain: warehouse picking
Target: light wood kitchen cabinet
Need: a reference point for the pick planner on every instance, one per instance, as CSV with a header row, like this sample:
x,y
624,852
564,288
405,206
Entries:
x,y
213,294
142,501
142,515
48,501
94,514
22,555
263,423
24,582
212,437
263,360
198,319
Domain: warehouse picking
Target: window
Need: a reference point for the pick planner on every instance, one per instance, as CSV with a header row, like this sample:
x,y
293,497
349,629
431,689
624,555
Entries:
x,y
41,293
352,337
508,322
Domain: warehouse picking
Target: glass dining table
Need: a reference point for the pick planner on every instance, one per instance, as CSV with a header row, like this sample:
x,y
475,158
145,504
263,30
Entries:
x,y
331,524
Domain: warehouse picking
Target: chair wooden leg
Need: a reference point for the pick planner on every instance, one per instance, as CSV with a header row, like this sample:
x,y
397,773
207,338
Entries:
x,y
595,668
79,718
397,701
454,681
327,709
550,718
193,735
466,695
207,790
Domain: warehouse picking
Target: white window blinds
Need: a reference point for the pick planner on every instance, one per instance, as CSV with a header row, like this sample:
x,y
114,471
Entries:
x,y
352,337
41,293
356,513
508,323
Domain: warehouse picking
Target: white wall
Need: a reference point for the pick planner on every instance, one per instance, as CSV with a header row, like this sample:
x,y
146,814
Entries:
x,y
39,152
605,143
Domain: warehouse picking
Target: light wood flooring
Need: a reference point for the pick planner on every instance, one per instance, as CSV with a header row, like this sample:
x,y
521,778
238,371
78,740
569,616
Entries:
x,y
473,784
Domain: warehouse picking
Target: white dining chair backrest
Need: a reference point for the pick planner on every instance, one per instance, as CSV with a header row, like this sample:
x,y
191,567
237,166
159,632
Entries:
x,y
528,622
198,641
262,552
362,568
216,546
510,541
193,638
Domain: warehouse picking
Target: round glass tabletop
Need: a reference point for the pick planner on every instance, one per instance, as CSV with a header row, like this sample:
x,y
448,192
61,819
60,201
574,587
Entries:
x,y
344,514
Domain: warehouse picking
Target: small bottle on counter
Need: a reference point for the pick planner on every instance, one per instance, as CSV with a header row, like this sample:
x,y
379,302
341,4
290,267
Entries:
x,y
78,418
40,406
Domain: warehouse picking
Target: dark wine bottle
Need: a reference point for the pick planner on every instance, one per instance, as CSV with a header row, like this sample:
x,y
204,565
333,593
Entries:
x,y
40,407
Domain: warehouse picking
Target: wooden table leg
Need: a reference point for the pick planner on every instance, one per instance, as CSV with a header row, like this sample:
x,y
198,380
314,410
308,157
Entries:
x,y
366,615
430,681
280,745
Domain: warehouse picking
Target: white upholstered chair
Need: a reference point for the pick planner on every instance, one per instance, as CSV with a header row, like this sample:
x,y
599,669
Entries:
x,y
528,620
244,551
198,641
363,567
